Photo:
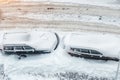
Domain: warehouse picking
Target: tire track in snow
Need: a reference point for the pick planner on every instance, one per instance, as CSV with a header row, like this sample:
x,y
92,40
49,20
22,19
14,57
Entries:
x,y
59,25
14,21
55,7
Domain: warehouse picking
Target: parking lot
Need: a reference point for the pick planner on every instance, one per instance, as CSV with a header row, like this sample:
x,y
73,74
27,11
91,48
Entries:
x,y
59,62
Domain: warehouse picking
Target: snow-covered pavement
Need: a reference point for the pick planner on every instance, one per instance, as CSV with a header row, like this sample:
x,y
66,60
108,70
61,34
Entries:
x,y
60,16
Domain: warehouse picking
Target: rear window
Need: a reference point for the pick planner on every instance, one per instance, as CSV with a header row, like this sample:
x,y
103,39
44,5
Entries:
x,y
85,51
8,48
78,50
95,52
75,49
72,49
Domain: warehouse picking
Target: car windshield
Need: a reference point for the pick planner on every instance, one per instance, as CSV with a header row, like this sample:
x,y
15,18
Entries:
x,y
95,52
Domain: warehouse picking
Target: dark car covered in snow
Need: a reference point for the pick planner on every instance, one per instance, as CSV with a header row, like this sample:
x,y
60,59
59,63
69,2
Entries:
x,y
92,46
29,42
17,48
21,49
89,54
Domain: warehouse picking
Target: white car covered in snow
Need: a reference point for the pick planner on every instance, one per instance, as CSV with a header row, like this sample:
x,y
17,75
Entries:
x,y
29,42
92,46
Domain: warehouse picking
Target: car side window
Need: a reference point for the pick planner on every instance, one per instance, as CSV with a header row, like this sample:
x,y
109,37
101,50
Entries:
x,y
18,48
27,47
95,52
85,51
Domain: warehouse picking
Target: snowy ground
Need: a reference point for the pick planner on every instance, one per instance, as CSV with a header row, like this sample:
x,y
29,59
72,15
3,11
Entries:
x,y
61,16
110,3
72,17
59,65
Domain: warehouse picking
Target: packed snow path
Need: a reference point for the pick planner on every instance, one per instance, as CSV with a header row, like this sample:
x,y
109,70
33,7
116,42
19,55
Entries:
x,y
60,16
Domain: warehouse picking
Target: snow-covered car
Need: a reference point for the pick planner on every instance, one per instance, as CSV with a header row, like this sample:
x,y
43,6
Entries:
x,y
92,46
89,54
29,42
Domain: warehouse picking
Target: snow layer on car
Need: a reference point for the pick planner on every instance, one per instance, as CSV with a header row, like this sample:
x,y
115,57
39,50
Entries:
x,y
38,40
16,37
104,43
43,40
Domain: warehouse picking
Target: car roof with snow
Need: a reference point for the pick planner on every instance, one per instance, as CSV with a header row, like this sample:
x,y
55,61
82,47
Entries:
x,y
36,39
